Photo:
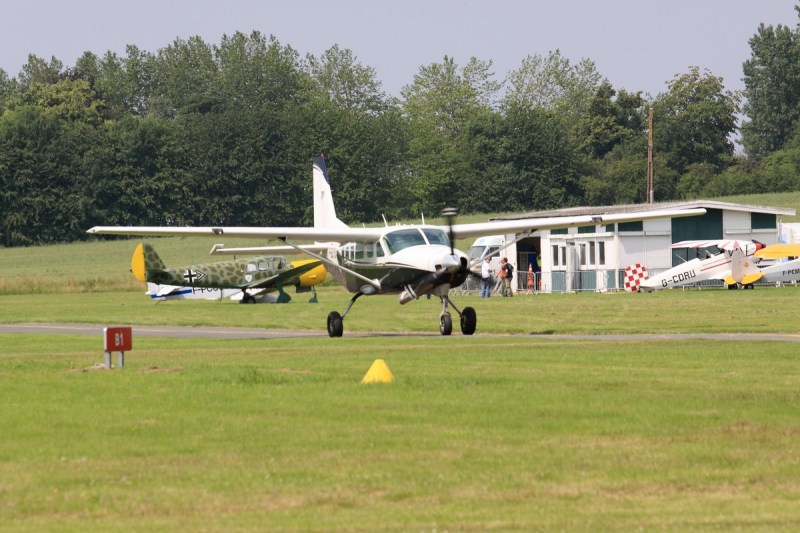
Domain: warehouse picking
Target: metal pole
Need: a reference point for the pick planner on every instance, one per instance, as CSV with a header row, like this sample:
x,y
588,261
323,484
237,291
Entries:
x,y
650,155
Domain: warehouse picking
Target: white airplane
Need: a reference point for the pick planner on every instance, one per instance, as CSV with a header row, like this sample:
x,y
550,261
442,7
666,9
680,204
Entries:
x,y
408,260
732,256
784,271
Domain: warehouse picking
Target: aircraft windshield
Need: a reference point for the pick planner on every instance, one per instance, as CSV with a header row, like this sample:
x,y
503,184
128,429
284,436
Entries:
x,y
402,239
436,236
406,238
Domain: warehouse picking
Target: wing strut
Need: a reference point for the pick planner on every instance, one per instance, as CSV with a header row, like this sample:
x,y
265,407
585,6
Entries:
x,y
372,282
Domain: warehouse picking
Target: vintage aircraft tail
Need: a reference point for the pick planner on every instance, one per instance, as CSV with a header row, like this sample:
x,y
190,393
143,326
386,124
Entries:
x,y
145,259
743,270
324,210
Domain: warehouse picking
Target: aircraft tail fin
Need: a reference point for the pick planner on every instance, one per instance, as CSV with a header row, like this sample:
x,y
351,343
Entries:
x,y
145,259
324,210
743,270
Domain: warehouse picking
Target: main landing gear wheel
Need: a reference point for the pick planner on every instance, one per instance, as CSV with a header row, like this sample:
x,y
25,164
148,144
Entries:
x,y
335,324
469,321
247,299
445,324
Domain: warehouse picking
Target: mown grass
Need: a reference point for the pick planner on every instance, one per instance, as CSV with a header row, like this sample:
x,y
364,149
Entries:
x,y
763,310
492,433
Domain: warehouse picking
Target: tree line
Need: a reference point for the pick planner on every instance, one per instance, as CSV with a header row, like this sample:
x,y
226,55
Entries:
x,y
207,134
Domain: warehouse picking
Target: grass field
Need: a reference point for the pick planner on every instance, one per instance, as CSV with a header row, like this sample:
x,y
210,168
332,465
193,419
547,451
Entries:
x,y
501,431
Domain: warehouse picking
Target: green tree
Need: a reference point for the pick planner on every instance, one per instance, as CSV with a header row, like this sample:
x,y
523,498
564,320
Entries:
x,y
772,89
184,77
37,70
609,120
255,71
349,85
695,120
439,104
541,154
7,88
552,83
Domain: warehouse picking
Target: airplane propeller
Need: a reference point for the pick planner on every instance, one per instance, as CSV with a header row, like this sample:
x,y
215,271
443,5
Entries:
x,y
449,214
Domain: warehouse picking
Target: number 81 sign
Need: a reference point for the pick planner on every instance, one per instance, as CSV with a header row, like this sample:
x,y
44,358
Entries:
x,y
117,339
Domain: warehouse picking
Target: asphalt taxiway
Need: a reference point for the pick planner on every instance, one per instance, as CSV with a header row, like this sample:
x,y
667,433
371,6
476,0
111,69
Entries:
x,y
259,333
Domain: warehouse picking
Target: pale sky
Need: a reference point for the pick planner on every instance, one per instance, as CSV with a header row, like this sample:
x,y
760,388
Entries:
x,y
636,44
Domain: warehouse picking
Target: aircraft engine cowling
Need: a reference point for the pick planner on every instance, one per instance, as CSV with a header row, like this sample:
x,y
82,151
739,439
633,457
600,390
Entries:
x,y
315,276
422,286
461,275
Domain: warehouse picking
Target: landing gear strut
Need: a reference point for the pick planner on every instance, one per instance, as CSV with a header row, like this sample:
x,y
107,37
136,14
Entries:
x,y
469,319
336,321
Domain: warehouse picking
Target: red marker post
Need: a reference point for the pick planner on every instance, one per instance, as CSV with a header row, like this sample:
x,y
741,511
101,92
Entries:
x,y
117,339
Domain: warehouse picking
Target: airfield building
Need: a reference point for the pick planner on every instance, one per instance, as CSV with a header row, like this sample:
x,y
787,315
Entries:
x,y
594,258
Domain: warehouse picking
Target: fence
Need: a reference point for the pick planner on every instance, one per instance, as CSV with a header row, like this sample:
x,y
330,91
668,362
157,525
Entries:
x,y
561,281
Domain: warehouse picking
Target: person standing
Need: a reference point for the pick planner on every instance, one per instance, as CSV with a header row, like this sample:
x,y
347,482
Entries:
x,y
486,279
508,275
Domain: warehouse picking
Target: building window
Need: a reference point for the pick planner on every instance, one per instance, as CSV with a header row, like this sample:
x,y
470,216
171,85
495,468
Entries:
x,y
592,246
631,226
582,248
601,253
555,255
762,221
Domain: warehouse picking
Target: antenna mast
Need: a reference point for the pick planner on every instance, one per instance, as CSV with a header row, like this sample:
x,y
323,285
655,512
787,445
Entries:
x,y
650,155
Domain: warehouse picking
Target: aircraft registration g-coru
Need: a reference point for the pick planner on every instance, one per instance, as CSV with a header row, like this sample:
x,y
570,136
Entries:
x,y
408,260
730,265
246,280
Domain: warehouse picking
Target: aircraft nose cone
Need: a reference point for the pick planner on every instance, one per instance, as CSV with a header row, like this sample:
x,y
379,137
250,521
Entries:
x,y
450,262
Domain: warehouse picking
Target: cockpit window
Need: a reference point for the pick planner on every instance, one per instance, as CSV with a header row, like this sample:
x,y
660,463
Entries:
x,y
402,239
436,236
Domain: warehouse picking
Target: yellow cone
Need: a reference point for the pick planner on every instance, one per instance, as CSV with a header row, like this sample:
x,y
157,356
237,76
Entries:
x,y
378,373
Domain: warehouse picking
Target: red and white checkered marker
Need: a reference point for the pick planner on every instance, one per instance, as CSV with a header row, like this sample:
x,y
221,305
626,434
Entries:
x,y
634,275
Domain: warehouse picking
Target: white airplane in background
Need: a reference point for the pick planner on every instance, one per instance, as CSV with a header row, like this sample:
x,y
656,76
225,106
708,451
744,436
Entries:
x,y
408,260
734,255
784,271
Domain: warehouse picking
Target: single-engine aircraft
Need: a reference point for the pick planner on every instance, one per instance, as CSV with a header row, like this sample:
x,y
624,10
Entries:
x,y
408,260
246,280
731,256
784,271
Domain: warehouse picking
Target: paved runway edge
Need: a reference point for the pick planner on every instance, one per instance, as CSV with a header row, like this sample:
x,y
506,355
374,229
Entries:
x,y
260,333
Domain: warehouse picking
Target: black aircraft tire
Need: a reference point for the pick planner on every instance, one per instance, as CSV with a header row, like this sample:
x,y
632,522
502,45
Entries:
x,y
335,324
469,321
445,324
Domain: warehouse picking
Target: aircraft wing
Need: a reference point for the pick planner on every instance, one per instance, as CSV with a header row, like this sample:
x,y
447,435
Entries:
x,y
286,277
779,251
277,233
221,249
722,244
533,224
368,235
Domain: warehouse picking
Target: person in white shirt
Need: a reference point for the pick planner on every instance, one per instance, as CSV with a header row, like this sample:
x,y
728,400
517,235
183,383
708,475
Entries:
x,y
486,279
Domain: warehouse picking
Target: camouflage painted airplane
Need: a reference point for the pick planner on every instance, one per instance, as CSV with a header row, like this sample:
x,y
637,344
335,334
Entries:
x,y
247,280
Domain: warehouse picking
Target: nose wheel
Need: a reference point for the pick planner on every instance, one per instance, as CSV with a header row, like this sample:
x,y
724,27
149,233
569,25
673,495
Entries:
x,y
468,318
445,324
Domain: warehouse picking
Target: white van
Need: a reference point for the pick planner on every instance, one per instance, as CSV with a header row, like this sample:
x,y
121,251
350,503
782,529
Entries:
x,y
488,246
